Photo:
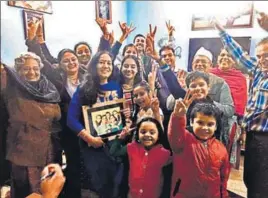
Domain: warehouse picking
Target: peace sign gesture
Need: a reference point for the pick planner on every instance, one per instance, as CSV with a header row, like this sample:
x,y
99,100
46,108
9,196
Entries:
x,y
152,32
170,28
126,30
182,105
150,49
152,77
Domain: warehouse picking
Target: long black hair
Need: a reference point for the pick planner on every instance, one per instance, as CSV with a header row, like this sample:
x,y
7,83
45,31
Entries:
x,y
147,88
91,83
93,67
160,139
137,78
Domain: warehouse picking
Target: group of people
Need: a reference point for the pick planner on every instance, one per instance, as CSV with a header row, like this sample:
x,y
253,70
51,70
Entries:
x,y
177,140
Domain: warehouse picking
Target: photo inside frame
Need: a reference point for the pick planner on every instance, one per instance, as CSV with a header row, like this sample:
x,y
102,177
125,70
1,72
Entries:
x,y
104,10
235,15
39,6
107,120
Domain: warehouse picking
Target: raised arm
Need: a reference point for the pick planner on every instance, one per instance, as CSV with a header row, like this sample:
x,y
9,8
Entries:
x,y
176,130
170,78
172,82
104,44
34,46
171,38
241,56
41,41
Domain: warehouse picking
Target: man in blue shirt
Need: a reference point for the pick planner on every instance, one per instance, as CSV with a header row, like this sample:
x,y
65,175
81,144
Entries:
x,y
255,120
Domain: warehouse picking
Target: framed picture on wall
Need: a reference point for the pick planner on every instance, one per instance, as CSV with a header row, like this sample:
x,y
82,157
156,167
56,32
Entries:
x,y
105,120
29,18
104,10
214,45
39,6
238,14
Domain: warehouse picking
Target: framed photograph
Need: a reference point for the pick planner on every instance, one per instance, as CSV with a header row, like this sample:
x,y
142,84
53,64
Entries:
x,y
39,6
104,10
238,14
32,17
214,45
105,120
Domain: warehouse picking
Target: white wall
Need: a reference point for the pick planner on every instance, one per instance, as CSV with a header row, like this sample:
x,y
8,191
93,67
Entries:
x,y
74,21
180,14
71,22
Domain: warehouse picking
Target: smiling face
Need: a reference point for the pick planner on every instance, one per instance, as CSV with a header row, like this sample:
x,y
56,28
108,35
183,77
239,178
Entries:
x,y
129,69
200,87
83,53
201,63
98,119
204,126
30,71
169,57
225,60
131,51
69,63
148,134
141,97
104,67
140,43
104,120
262,56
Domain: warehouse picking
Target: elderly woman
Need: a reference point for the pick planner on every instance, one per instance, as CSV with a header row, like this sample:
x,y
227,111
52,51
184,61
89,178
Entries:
x,y
66,77
236,80
33,115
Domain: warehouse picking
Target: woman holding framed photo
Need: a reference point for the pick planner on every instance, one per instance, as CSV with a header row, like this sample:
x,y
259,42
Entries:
x,y
104,171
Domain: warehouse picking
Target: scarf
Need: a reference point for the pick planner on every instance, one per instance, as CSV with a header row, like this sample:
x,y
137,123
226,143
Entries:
x,y
42,90
238,86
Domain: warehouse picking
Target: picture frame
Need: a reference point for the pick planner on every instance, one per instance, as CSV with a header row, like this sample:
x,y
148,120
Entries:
x,y
238,15
30,16
104,10
105,120
38,6
214,45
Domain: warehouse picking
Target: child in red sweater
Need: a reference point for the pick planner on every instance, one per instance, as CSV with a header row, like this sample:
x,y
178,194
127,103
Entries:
x,y
146,157
201,163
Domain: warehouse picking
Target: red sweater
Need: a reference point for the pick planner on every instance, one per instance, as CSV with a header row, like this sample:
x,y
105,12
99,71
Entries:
x,y
199,170
238,86
145,174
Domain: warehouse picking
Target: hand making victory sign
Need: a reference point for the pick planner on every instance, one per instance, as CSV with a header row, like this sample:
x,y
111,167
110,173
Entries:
x,y
170,28
182,105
